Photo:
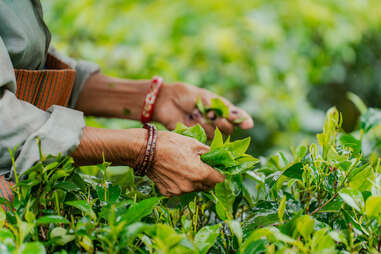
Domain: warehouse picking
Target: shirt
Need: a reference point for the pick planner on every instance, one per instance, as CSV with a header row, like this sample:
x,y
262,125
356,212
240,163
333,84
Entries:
x,y
24,44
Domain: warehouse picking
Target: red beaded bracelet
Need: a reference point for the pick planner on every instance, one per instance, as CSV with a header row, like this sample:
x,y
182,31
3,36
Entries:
x,y
150,99
149,151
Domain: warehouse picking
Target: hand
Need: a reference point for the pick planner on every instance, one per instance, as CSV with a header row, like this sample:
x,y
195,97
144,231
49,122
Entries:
x,y
177,103
177,171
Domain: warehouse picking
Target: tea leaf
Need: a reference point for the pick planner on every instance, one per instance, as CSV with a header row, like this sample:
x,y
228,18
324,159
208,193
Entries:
x,y
353,198
83,206
32,248
295,171
139,210
47,219
217,105
370,119
282,209
206,237
372,206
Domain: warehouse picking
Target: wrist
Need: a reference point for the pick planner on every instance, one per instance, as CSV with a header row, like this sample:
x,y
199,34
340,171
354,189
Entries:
x,y
162,99
112,97
120,147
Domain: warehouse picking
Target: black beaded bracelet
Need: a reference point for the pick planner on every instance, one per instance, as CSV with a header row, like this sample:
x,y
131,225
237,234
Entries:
x,y
149,151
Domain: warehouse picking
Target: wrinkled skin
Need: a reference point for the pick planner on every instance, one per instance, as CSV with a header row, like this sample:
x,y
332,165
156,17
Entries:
x,y
177,167
176,103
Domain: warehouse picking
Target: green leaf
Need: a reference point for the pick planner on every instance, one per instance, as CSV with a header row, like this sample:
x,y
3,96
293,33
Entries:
x,y
282,209
60,236
305,226
219,157
372,206
7,239
67,186
200,106
83,206
270,233
322,242
357,101
353,198
370,119
254,247
295,171
32,248
239,147
139,210
132,231
196,132
363,180
112,194
348,140
218,140
225,200
3,217
47,219
206,237
236,229
221,109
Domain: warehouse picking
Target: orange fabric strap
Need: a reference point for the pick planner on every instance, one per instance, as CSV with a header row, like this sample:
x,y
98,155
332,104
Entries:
x,y
6,190
44,88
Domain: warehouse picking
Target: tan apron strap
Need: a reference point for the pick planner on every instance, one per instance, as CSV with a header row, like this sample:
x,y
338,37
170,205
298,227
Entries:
x,y
44,88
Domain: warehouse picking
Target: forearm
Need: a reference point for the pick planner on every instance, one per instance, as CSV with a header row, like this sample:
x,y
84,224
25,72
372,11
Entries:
x,y
112,97
120,147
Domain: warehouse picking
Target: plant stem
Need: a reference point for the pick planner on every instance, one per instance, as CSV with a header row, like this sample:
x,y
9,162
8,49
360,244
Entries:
x,y
326,203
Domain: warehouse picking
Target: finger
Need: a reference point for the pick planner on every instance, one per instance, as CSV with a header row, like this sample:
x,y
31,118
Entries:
x,y
163,190
209,126
213,178
209,129
237,114
202,187
161,185
172,189
201,149
224,125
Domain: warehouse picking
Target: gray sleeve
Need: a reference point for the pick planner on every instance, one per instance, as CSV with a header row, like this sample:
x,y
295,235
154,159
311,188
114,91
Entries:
x,y
59,128
84,70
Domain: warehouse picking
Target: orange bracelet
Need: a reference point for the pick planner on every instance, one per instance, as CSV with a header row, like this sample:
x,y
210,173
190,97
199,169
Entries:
x,y
150,99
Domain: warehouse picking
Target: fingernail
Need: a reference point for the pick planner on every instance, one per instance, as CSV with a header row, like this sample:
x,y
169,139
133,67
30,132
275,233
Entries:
x,y
212,115
234,112
196,115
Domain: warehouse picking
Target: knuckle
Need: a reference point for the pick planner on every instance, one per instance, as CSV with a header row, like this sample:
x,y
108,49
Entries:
x,y
187,188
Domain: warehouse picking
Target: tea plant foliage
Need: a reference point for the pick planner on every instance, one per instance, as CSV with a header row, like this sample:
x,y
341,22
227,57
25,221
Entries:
x,y
320,198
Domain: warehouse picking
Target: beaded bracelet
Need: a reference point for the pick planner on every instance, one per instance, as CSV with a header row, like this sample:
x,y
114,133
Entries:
x,y
150,99
149,151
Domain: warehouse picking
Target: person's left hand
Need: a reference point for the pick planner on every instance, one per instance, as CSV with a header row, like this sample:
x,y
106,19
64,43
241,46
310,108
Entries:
x,y
177,103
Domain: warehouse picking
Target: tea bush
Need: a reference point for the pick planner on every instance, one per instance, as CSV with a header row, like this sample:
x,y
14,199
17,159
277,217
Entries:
x,y
286,62
320,198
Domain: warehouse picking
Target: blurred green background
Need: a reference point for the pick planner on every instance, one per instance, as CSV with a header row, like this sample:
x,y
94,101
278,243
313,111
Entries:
x,y
285,62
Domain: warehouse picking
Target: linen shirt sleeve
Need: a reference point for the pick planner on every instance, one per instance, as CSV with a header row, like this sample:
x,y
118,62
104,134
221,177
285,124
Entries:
x,y
59,129
83,69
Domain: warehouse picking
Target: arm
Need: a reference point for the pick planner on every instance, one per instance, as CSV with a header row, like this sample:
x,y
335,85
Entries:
x,y
175,171
112,97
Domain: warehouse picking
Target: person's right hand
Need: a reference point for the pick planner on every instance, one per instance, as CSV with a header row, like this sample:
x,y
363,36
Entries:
x,y
177,167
